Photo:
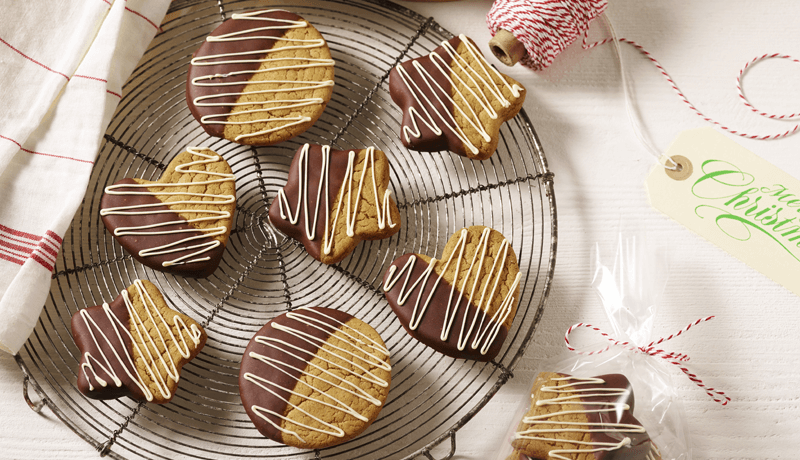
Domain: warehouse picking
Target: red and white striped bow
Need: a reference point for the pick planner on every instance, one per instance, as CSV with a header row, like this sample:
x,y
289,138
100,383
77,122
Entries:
x,y
650,349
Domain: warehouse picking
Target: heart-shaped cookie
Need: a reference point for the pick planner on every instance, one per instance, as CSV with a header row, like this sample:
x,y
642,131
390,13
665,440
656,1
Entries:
x,y
463,304
334,199
179,224
135,346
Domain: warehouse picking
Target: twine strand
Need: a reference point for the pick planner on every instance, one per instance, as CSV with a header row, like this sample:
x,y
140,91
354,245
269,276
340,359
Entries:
x,y
547,27
676,359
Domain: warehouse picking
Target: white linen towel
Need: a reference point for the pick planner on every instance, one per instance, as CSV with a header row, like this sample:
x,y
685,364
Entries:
x,y
62,67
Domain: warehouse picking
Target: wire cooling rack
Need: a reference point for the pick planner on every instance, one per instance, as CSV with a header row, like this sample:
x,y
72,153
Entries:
x,y
263,274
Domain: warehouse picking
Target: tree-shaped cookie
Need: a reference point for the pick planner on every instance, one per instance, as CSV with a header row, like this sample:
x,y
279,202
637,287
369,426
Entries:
x,y
573,418
179,224
453,99
334,199
134,346
463,304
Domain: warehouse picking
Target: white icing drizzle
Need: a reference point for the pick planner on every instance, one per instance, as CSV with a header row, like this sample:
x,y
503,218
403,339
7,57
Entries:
x,y
376,356
487,332
198,200
480,77
383,214
577,427
255,57
154,363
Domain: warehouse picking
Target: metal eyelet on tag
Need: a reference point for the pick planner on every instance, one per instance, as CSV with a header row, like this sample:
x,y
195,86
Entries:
x,y
683,170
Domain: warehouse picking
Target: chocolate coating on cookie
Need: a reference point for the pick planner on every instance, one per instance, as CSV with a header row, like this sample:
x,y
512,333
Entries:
x,y
462,305
164,236
639,444
429,330
417,98
306,173
314,377
89,383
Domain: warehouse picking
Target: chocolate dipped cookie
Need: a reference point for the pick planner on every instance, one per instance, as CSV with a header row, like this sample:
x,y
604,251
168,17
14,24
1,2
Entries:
x,y
314,378
453,99
463,304
179,224
582,419
134,346
260,78
334,199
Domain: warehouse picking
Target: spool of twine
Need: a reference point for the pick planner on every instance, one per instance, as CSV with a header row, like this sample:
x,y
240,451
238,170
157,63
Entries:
x,y
534,32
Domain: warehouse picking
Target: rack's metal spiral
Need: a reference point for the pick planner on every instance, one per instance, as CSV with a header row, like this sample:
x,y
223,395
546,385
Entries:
x,y
263,274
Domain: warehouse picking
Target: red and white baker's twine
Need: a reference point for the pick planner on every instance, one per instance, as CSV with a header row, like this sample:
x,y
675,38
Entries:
x,y
547,27
650,349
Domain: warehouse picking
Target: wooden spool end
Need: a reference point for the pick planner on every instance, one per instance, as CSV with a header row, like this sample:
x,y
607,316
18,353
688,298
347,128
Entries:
x,y
506,47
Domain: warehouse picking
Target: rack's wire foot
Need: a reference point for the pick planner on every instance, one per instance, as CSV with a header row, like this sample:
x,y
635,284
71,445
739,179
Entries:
x,y
35,406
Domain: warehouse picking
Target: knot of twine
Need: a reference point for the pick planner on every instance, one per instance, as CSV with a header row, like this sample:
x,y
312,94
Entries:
x,y
544,27
652,350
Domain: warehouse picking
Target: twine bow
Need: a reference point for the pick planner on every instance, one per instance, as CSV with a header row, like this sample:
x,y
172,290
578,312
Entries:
x,y
650,349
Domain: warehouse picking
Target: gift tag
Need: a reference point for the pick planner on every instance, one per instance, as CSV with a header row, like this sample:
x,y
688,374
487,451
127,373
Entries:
x,y
735,199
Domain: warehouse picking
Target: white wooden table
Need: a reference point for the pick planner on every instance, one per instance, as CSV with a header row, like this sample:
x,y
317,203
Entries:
x,y
577,107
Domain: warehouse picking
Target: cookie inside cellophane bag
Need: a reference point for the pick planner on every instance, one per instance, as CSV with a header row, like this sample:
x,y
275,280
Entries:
x,y
611,400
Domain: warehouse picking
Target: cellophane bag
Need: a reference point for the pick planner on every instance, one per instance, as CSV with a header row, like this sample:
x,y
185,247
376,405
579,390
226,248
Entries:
x,y
628,285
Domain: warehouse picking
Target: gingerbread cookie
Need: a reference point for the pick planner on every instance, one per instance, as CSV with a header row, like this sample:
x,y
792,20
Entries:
x,y
314,378
334,199
463,304
260,78
582,419
179,224
453,99
135,346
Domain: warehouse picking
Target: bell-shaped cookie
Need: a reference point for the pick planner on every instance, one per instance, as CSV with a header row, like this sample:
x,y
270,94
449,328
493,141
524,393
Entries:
x,y
334,199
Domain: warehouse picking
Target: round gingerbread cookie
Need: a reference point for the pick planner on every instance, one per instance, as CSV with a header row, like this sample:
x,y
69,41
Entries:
x,y
314,378
260,78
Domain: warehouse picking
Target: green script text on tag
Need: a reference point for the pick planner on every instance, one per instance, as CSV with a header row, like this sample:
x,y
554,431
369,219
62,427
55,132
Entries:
x,y
736,200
